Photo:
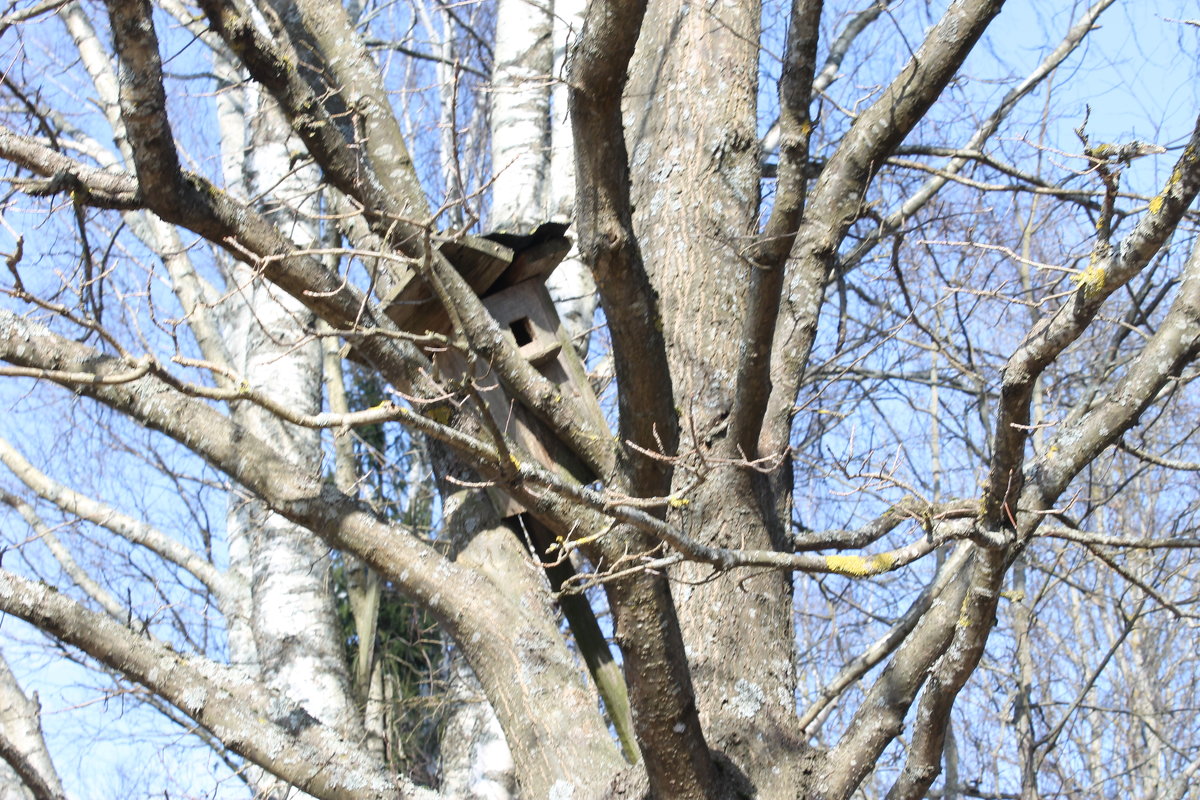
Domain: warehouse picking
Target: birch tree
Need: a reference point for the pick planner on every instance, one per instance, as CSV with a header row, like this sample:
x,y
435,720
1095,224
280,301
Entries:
x,y
878,484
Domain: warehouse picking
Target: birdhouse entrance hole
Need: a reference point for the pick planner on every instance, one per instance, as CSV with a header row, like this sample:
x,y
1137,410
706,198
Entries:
x,y
522,331
508,273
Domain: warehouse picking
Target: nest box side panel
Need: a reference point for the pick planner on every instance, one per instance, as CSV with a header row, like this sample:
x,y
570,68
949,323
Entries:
x,y
411,305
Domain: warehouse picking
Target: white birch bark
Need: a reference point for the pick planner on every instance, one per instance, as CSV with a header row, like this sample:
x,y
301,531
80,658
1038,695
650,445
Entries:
x,y
294,622
521,112
295,638
231,105
21,745
476,761
571,285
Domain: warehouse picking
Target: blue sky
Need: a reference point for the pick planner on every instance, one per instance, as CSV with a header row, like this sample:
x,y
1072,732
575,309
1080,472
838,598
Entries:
x,y
1139,74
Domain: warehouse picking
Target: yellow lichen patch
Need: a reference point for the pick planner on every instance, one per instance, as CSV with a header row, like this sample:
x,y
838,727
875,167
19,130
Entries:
x,y
1156,205
858,567
515,461
1014,596
440,415
854,566
1093,278
964,618
678,502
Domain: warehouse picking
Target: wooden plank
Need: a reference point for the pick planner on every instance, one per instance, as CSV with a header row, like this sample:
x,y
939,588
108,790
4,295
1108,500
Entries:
x,y
412,306
486,266
527,321
536,262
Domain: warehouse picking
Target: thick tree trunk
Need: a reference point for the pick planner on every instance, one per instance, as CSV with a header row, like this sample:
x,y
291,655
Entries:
x,y
297,637
696,167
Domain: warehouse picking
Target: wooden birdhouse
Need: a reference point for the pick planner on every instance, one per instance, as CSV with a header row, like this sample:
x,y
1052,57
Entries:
x,y
509,275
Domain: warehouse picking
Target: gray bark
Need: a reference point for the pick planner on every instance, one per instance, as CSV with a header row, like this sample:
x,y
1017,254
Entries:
x,y
748,336
30,770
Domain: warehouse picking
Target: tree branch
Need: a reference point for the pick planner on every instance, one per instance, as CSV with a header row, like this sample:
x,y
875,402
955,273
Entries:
x,y
880,715
886,644
144,102
69,565
391,199
948,677
88,185
769,253
982,134
247,716
836,200
1169,349
252,239
609,246
229,594
533,705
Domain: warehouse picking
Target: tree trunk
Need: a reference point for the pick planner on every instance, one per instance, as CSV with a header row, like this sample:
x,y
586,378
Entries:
x,y
696,206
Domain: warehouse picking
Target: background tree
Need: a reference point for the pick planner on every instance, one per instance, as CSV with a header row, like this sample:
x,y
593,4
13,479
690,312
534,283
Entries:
x,y
892,497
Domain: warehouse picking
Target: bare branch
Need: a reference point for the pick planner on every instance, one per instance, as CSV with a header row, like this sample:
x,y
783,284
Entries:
x,y
1169,463
224,586
948,677
1126,542
753,382
950,571
1174,345
64,558
834,202
880,716
608,244
982,134
1053,334
251,719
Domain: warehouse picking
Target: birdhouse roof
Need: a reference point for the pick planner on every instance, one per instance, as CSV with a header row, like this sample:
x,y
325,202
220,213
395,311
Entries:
x,y
488,263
